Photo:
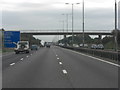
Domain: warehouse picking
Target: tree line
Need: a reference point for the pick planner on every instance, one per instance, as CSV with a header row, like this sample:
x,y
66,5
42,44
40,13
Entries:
x,y
108,41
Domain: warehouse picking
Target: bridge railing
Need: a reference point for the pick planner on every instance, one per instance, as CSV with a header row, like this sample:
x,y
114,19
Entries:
x,y
112,55
59,31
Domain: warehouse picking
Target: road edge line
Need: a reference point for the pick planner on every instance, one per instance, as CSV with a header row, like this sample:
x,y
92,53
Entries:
x,y
102,60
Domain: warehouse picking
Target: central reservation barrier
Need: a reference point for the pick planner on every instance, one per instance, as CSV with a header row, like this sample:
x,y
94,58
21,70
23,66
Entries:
x,y
95,52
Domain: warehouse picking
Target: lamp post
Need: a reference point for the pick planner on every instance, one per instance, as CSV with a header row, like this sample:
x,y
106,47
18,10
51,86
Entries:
x,y
116,43
66,23
83,25
72,20
63,23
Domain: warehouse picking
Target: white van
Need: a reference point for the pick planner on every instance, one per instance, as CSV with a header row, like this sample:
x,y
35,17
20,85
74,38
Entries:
x,y
22,46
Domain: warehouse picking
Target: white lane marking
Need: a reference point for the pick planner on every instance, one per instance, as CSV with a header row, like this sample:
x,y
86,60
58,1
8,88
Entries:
x,y
96,58
60,63
21,59
56,55
64,71
27,56
12,64
58,58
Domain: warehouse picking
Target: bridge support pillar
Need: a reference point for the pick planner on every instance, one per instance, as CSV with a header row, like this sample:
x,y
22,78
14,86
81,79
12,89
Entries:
x,y
100,38
65,40
65,36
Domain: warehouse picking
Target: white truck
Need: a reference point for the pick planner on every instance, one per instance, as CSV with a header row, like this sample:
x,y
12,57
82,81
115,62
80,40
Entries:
x,y
22,46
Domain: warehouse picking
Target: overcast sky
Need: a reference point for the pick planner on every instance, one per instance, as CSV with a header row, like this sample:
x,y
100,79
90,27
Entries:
x,y
46,14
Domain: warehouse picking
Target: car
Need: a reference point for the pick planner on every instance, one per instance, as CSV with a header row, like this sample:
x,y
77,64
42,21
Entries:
x,y
48,45
61,44
81,45
22,46
100,46
75,45
34,47
93,46
85,45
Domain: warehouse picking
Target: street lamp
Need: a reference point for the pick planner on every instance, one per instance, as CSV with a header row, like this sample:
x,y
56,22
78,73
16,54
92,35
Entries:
x,y
83,25
66,26
66,23
116,43
62,23
72,19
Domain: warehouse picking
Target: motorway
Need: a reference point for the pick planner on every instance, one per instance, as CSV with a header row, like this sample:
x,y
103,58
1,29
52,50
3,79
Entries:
x,y
56,67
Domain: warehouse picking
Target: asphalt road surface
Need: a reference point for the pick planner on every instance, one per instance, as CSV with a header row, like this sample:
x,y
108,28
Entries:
x,y
56,67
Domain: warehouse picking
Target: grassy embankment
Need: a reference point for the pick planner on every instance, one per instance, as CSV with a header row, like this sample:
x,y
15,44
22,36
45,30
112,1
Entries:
x,y
5,50
111,45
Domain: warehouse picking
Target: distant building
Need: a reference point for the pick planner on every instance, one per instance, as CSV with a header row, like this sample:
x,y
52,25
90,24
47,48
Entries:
x,y
119,15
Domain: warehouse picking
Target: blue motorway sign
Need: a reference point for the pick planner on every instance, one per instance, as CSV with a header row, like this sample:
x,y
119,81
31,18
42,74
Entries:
x,y
10,38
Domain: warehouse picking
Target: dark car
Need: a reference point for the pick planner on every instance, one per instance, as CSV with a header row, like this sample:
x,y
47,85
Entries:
x,y
48,45
34,47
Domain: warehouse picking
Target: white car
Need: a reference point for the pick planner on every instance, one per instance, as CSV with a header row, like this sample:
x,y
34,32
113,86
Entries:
x,y
93,46
100,46
85,45
75,45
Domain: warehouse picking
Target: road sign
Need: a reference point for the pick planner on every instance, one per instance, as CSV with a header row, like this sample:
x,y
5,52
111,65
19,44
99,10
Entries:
x,y
10,38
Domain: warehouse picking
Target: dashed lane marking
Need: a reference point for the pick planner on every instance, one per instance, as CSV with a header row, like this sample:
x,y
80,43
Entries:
x,y
12,64
58,58
60,63
64,71
27,56
21,59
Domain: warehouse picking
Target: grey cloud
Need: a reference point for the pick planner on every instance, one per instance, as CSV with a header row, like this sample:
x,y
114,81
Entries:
x,y
36,17
30,20
95,19
32,6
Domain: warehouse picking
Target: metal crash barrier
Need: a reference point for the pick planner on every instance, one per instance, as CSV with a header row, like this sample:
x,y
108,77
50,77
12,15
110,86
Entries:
x,y
95,52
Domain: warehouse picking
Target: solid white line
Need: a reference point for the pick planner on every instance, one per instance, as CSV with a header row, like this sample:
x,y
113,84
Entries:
x,y
60,63
21,59
64,71
12,64
96,58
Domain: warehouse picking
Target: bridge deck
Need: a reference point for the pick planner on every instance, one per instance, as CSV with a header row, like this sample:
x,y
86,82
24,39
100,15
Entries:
x,y
66,33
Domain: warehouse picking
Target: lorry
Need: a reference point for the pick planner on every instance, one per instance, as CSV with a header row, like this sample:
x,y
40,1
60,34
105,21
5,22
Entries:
x,y
22,46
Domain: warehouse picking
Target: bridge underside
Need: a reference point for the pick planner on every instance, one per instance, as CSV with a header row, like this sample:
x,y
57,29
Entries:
x,y
65,33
